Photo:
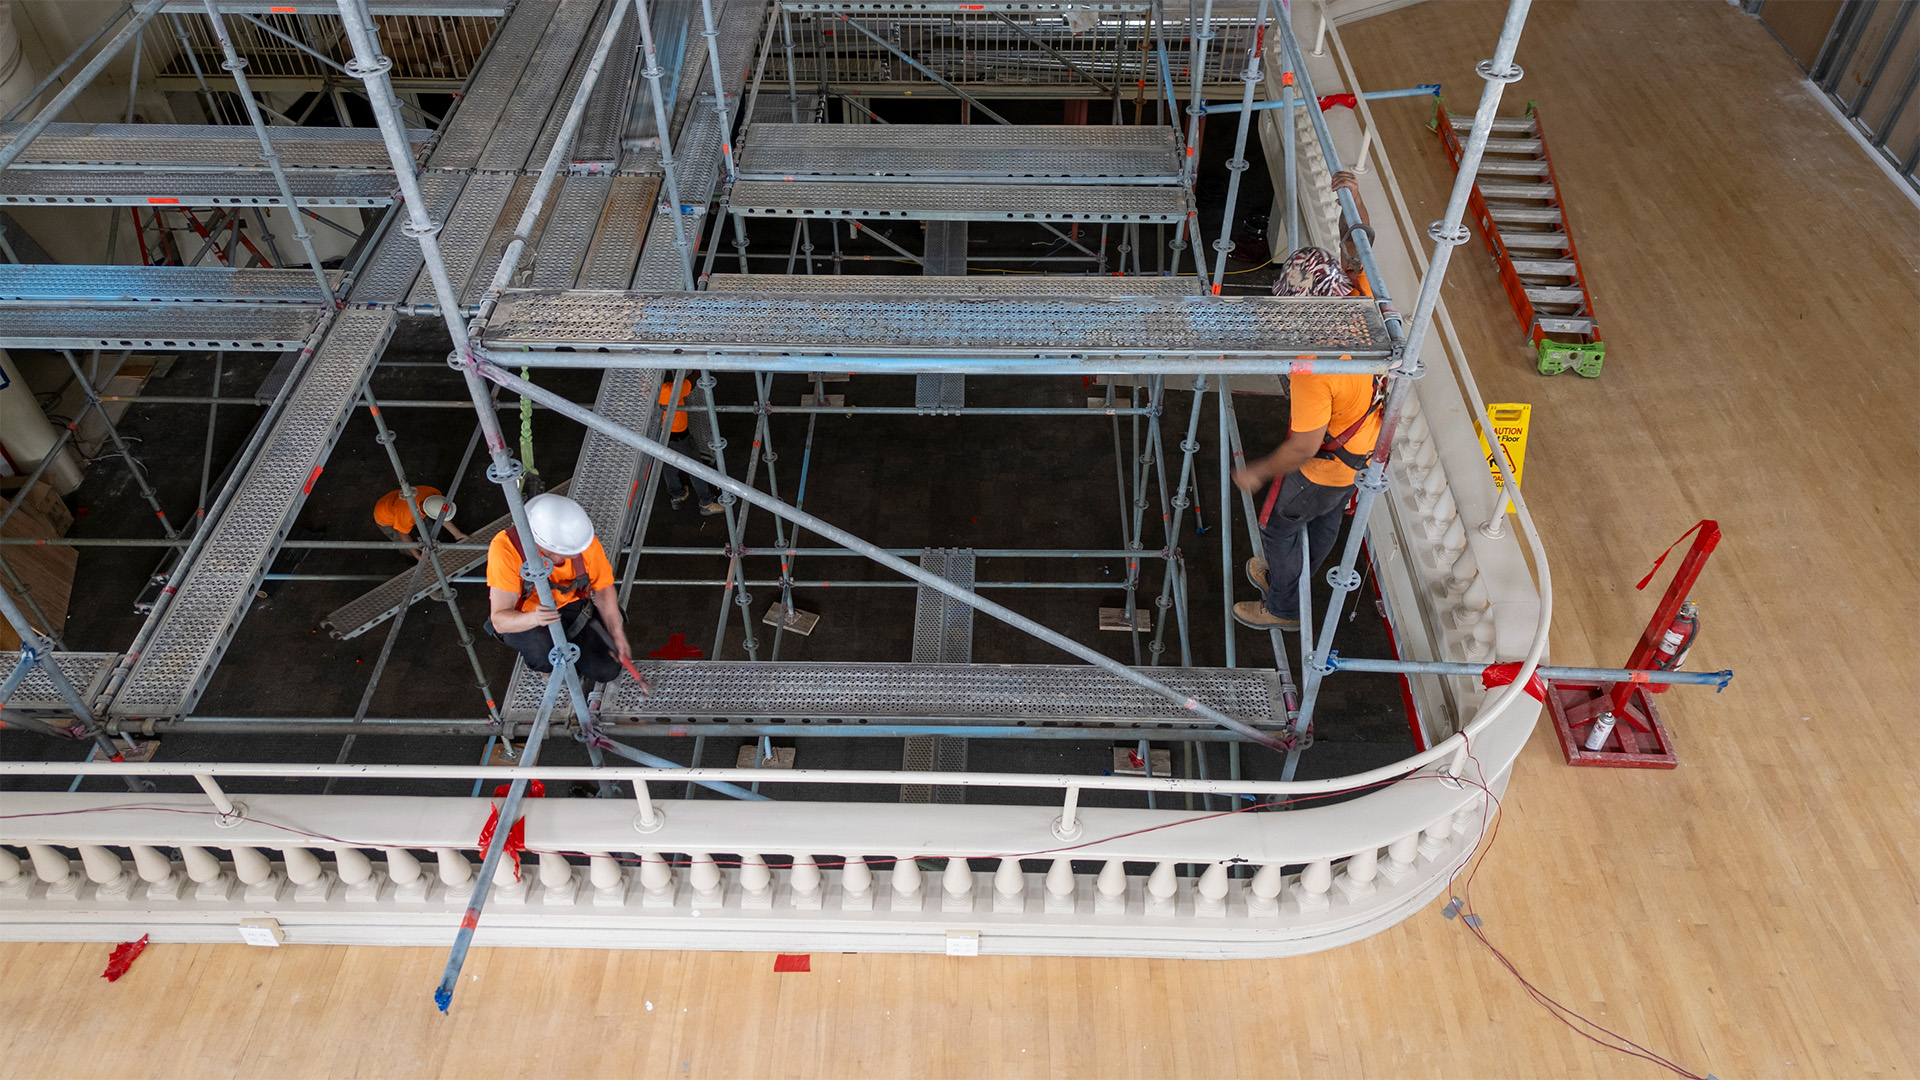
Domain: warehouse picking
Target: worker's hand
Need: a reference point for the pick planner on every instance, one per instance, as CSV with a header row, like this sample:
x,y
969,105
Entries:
x,y
624,648
1249,479
544,616
1345,179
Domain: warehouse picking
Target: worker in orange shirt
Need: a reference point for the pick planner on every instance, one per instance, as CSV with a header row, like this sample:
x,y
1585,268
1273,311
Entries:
x,y
395,518
563,534
1334,424
681,440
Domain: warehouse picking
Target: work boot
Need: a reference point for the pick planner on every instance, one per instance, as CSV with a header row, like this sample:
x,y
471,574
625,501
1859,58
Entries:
x,y
1254,615
1257,572
711,507
679,499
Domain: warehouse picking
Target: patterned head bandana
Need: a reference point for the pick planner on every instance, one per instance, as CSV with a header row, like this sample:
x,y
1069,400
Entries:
x,y
1312,272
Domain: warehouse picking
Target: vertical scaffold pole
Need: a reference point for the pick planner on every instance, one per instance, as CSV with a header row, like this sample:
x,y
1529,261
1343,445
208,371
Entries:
x,y
661,122
1237,165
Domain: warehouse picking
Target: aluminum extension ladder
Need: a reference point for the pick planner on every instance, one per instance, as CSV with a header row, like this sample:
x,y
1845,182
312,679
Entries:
x,y
1517,202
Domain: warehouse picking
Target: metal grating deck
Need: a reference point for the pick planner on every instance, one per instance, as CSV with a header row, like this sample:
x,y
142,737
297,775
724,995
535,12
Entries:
x,y
978,285
527,110
496,245
959,201
942,634
465,231
973,693
1025,327
87,671
220,149
948,151
397,261
491,85
170,189
43,282
195,629
235,327
614,248
936,394
569,227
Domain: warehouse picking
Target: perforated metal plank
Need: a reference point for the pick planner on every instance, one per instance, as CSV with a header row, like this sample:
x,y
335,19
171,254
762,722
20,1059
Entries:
x,y
469,225
158,284
942,634
619,69
215,148
194,631
698,154
940,393
963,7
854,324
87,671
447,8
381,603
986,693
569,227
397,260
607,109
171,189
491,86
949,151
980,285
238,327
956,201
496,245
534,99
615,248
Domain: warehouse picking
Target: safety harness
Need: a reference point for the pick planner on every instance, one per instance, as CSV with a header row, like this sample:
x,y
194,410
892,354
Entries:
x,y
578,589
1334,447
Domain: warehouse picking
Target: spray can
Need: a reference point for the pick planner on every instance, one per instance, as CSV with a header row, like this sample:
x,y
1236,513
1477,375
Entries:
x,y
1602,727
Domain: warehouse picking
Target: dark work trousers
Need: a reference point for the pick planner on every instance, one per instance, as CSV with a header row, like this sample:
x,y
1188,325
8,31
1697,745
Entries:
x,y
598,662
1301,502
677,480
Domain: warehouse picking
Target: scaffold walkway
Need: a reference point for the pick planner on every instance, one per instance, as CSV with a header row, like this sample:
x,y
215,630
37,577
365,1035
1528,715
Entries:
x,y
65,284
927,153
194,629
942,634
231,327
170,189
87,671
979,285
221,150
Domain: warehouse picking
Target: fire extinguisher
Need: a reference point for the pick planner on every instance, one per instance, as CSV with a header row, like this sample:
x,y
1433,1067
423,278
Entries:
x,y
1676,643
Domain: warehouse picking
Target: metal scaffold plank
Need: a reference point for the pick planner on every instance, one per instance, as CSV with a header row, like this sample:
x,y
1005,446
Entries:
x,y
165,190
195,629
876,324
446,8
615,246
496,245
949,151
569,228
963,7
598,140
942,634
381,603
936,394
215,148
397,260
527,111
980,285
959,201
491,86
235,327
87,671
54,283
973,693
466,230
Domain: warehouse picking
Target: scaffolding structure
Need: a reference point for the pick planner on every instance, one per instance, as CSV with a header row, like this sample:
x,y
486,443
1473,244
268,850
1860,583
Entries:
x,y
572,211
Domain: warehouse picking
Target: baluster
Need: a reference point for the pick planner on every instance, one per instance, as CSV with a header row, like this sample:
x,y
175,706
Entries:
x,y
1061,887
53,867
1427,491
409,880
1263,892
1443,513
1479,642
657,880
1400,856
1162,884
1453,541
1356,881
14,880
356,872
756,884
107,872
1473,605
1009,887
956,886
609,880
1210,896
453,866
558,883
263,882
906,885
1469,819
156,870
805,881
1436,838
1462,573
312,883
708,883
1310,892
856,885
211,881
1110,889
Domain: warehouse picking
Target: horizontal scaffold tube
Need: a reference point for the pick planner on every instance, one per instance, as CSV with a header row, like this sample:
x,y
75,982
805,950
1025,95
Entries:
x,y
846,539
1170,364
1718,679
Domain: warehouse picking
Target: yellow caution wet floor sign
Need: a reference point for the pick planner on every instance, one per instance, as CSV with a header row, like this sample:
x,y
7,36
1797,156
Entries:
x,y
1509,423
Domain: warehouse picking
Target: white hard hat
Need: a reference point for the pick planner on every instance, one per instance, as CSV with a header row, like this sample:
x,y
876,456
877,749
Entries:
x,y
433,504
559,524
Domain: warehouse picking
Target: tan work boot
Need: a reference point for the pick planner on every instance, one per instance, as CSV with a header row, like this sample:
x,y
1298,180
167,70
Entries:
x,y
1254,615
1257,572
